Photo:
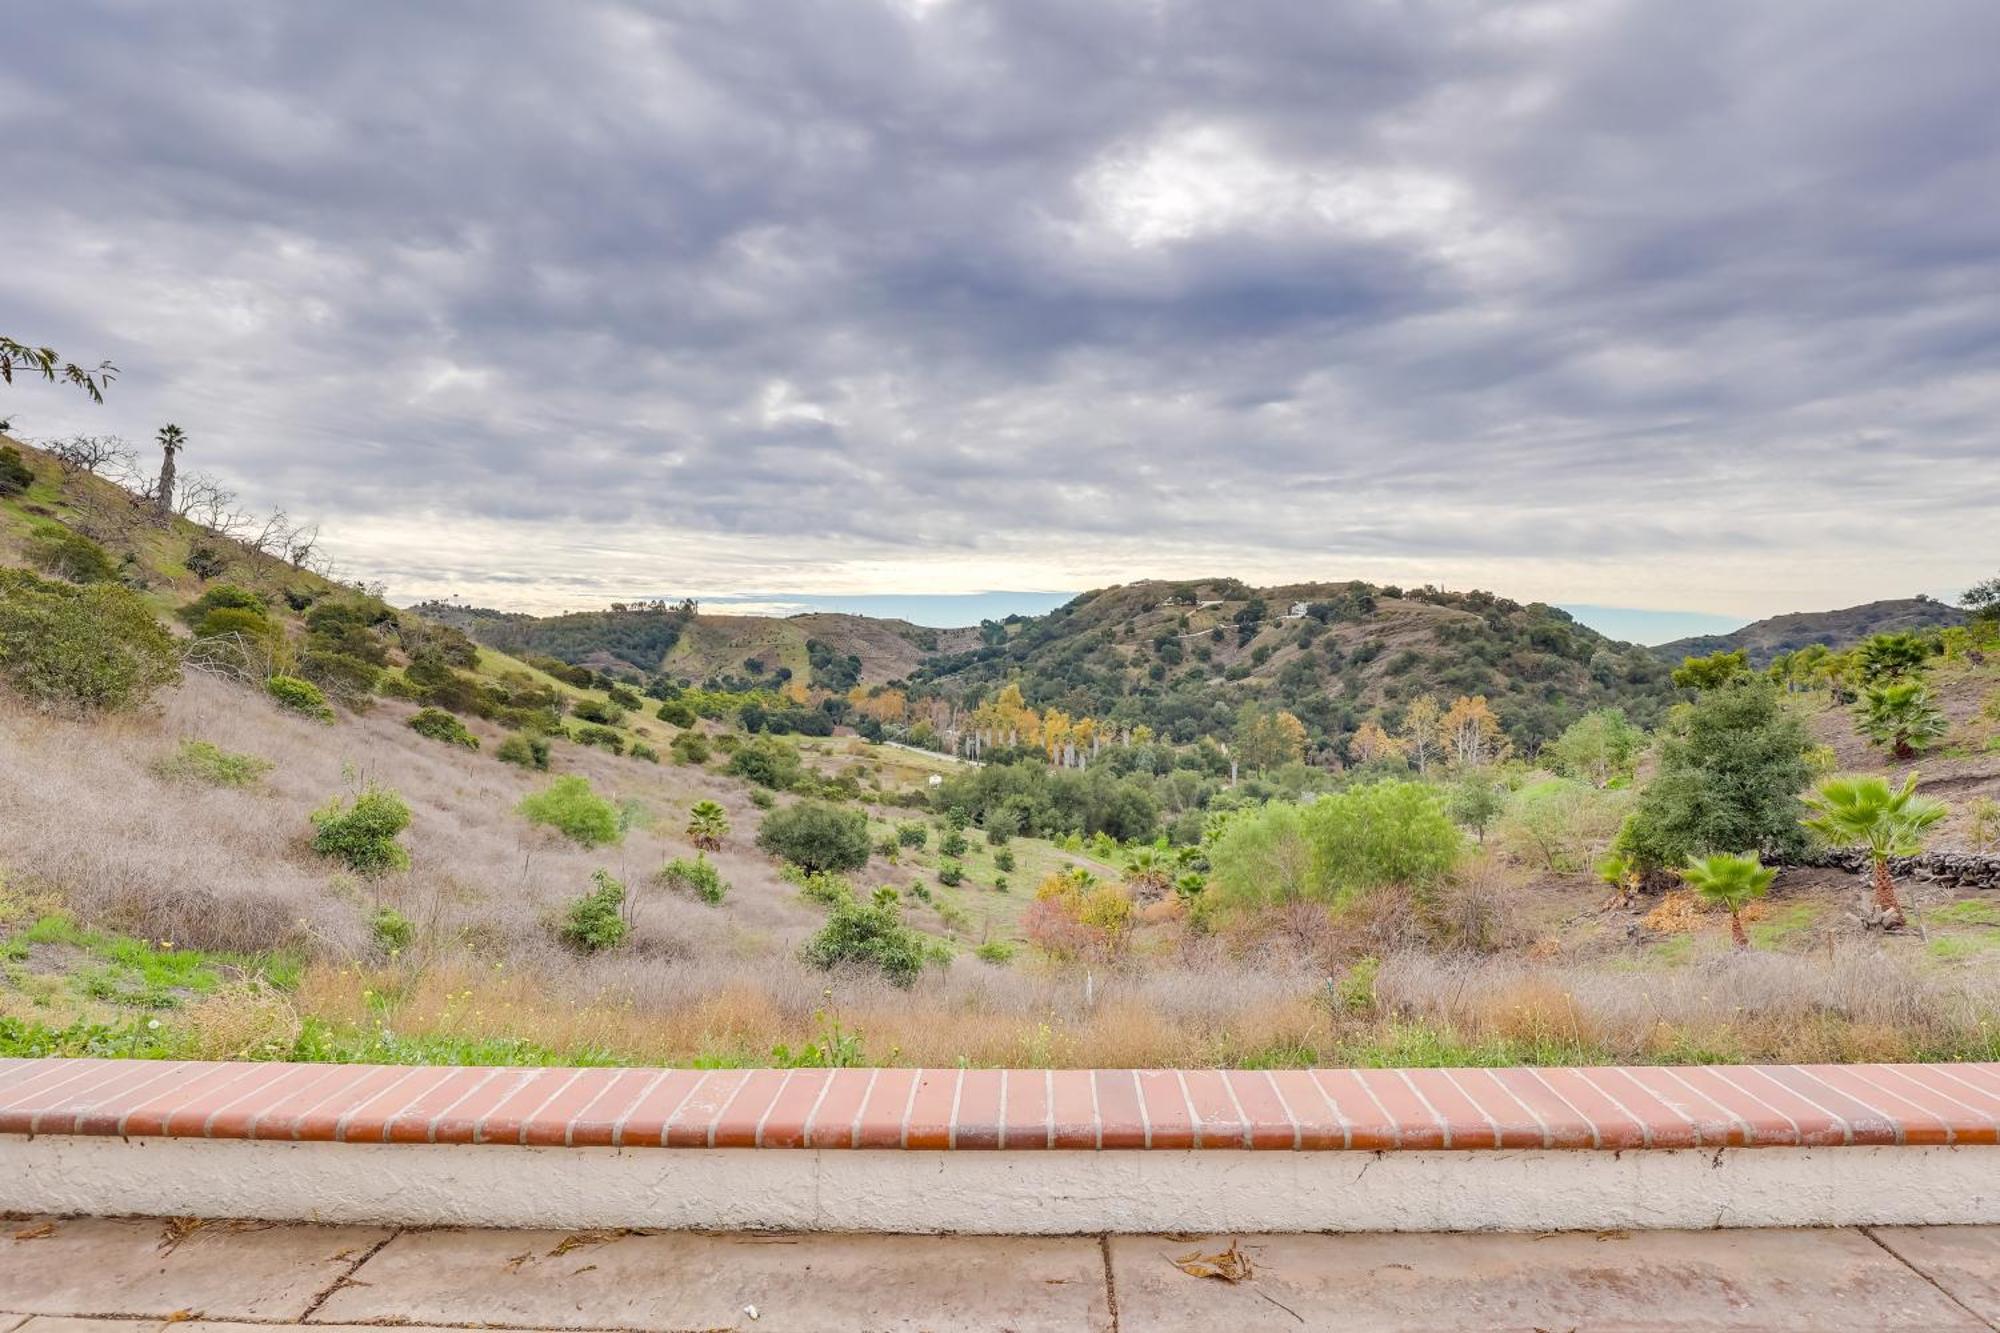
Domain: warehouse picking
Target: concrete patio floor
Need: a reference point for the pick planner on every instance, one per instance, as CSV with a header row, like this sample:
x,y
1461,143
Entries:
x,y
99,1275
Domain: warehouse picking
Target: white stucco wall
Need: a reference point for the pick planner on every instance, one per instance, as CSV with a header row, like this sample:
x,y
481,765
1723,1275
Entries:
x,y
1001,1192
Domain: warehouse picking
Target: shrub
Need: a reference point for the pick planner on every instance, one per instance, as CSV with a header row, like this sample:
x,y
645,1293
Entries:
x,y
997,952
15,474
299,696
1003,861
768,763
817,836
1335,849
604,738
675,713
526,751
1560,823
818,886
391,930
869,935
951,873
690,747
569,806
699,877
1074,916
211,765
362,836
598,711
641,750
953,844
596,920
70,555
442,726
81,648
222,597
912,834
624,697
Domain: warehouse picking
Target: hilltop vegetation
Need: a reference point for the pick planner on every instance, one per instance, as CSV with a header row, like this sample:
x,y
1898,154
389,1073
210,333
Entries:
x,y
1763,640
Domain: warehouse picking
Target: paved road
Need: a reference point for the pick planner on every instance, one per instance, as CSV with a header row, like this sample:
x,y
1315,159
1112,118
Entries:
x,y
98,1275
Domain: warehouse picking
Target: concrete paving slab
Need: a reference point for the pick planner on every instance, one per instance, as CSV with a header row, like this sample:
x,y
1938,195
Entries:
x,y
1965,1261
145,1266
1682,1280
45,1323
553,1279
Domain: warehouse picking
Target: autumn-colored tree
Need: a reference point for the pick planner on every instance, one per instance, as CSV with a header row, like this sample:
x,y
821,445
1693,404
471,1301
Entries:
x,y
1266,739
1077,917
1423,731
1371,743
1472,733
883,705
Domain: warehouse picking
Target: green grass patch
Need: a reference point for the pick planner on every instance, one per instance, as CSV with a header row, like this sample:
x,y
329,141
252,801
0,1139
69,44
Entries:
x,y
1970,912
1783,925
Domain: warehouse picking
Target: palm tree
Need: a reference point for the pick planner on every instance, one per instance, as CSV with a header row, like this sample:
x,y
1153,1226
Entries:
x,y
1888,821
1730,882
1150,872
1900,715
1891,656
172,440
708,825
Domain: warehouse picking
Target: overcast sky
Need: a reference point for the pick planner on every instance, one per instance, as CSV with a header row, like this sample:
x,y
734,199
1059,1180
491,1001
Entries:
x,y
1684,305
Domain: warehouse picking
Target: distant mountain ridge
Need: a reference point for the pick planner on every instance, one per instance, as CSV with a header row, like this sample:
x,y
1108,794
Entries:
x,y
1765,639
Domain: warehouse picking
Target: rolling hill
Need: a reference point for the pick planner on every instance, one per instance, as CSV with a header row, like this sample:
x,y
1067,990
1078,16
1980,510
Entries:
x,y
1765,639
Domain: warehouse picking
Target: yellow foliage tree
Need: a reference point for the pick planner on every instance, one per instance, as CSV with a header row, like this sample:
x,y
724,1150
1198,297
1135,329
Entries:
x,y
1472,734
1371,743
1423,731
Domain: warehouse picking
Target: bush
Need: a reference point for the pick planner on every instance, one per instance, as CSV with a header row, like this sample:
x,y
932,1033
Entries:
x,y
299,696
391,930
569,806
690,747
869,935
222,597
15,474
951,873
624,697
817,836
81,648
1335,849
768,763
596,920
598,711
526,751
1559,824
675,713
997,952
953,844
442,726
70,555
211,765
363,836
1003,861
699,877
912,834
604,738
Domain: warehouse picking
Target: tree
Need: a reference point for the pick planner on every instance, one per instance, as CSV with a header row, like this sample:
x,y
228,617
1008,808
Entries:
x,y
1475,802
172,440
1266,739
1149,873
1423,730
1900,715
1711,672
1887,657
1597,747
45,362
1731,766
816,836
871,935
1472,732
1888,821
1982,600
1371,743
708,825
1729,882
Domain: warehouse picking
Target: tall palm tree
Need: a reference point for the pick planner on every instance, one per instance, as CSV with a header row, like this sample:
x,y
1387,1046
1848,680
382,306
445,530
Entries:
x,y
1888,821
708,825
1900,715
172,440
1730,882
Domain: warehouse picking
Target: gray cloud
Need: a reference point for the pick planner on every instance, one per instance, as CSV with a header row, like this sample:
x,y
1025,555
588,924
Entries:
x,y
1687,303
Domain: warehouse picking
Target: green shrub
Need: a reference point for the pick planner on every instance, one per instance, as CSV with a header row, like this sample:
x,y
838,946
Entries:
x,y
526,751
817,836
869,935
598,711
299,696
350,679
625,697
912,834
221,597
1003,861
15,474
569,806
699,877
641,750
87,648
951,873
442,726
675,713
997,952
1335,849
362,836
819,886
210,765
768,763
391,930
953,843
762,799
70,555
690,747
1000,884
604,738
596,920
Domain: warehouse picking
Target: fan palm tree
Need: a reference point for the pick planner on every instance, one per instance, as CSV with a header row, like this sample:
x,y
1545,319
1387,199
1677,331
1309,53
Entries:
x,y
1888,821
1900,715
1149,872
1891,656
1729,882
172,440
708,825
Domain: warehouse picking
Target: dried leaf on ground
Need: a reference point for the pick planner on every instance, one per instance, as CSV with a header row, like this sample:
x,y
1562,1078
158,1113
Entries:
x,y
576,1240
42,1232
177,1230
1230,1265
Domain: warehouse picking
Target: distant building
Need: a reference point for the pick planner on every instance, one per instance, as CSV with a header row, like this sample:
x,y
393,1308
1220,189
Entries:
x,y
1297,612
